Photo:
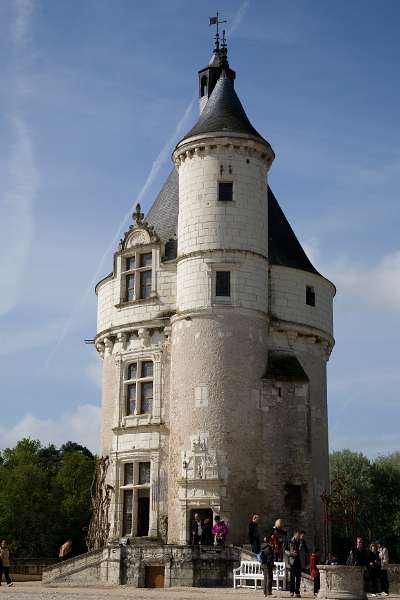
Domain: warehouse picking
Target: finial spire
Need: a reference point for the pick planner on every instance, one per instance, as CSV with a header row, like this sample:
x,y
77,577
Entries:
x,y
138,216
215,21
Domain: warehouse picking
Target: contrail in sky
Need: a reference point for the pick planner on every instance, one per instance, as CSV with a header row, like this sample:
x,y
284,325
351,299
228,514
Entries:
x,y
155,168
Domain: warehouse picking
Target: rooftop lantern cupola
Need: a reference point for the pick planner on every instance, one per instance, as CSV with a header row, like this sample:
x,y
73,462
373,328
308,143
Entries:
x,y
209,76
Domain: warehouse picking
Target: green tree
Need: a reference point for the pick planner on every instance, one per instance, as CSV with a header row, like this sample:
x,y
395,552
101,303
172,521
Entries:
x,y
376,484
44,497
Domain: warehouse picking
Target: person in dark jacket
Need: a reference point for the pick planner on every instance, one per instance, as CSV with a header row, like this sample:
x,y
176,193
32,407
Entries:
x,y
267,565
374,567
207,538
196,530
358,556
254,534
303,551
295,564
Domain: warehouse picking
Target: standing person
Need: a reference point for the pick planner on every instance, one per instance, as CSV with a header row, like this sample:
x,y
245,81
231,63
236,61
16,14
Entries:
x,y
384,556
295,564
314,571
197,530
331,560
220,531
374,567
303,551
358,556
267,565
279,539
5,563
254,534
206,535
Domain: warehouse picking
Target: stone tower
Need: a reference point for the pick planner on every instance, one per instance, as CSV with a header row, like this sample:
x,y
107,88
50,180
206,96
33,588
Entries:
x,y
215,330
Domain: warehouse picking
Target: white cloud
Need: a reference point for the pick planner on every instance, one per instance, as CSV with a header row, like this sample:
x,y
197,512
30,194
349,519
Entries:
x,y
377,285
81,426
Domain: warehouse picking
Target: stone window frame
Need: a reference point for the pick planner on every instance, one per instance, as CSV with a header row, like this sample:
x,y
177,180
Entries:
x,y
212,267
136,252
138,420
136,457
138,381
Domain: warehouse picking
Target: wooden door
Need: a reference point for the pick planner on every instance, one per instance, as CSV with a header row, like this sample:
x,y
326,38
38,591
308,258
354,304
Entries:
x,y
154,576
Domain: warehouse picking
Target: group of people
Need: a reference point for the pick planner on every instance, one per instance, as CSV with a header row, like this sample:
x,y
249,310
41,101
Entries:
x,y
375,560
5,563
278,546
203,532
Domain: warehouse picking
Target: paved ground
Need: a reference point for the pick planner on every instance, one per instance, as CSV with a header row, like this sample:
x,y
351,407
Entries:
x,y
36,591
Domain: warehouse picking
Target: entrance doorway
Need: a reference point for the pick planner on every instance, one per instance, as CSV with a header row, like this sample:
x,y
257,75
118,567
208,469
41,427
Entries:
x,y
204,513
154,576
143,513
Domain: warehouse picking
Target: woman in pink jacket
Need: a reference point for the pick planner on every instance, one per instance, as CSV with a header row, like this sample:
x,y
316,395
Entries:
x,y
220,531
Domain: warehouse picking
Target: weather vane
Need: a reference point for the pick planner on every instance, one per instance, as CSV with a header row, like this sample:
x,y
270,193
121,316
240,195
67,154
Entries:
x,y
215,21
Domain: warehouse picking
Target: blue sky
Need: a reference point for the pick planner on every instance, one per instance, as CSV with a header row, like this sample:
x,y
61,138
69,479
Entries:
x,y
95,94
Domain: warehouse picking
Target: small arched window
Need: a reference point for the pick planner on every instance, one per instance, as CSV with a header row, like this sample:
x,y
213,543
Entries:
x,y
203,86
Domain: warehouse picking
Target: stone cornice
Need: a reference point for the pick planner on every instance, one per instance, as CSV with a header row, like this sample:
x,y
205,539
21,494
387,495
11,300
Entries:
x,y
225,251
207,145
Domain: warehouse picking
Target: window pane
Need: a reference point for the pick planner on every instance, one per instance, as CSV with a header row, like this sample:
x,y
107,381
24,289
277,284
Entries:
x,y
147,369
146,398
144,472
310,296
127,512
132,371
128,473
222,283
225,191
130,263
145,260
131,399
130,287
145,284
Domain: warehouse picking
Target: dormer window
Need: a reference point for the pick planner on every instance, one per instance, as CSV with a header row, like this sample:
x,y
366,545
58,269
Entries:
x,y
137,276
203,86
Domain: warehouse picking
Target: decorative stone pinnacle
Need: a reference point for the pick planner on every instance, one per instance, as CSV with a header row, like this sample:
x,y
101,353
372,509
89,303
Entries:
x,y
138,216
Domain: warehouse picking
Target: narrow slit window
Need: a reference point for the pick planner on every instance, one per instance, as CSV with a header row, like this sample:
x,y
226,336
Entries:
x,y
310,295
225,191
223,283
203,86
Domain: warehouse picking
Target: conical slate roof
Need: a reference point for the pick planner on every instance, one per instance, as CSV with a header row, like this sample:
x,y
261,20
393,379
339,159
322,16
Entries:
x,y
284,248
223,113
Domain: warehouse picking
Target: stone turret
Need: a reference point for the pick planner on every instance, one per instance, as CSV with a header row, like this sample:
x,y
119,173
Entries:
x,y
215,330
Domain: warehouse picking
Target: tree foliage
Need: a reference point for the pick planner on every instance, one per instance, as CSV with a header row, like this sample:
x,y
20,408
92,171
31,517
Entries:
x,y
45,497
376,486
